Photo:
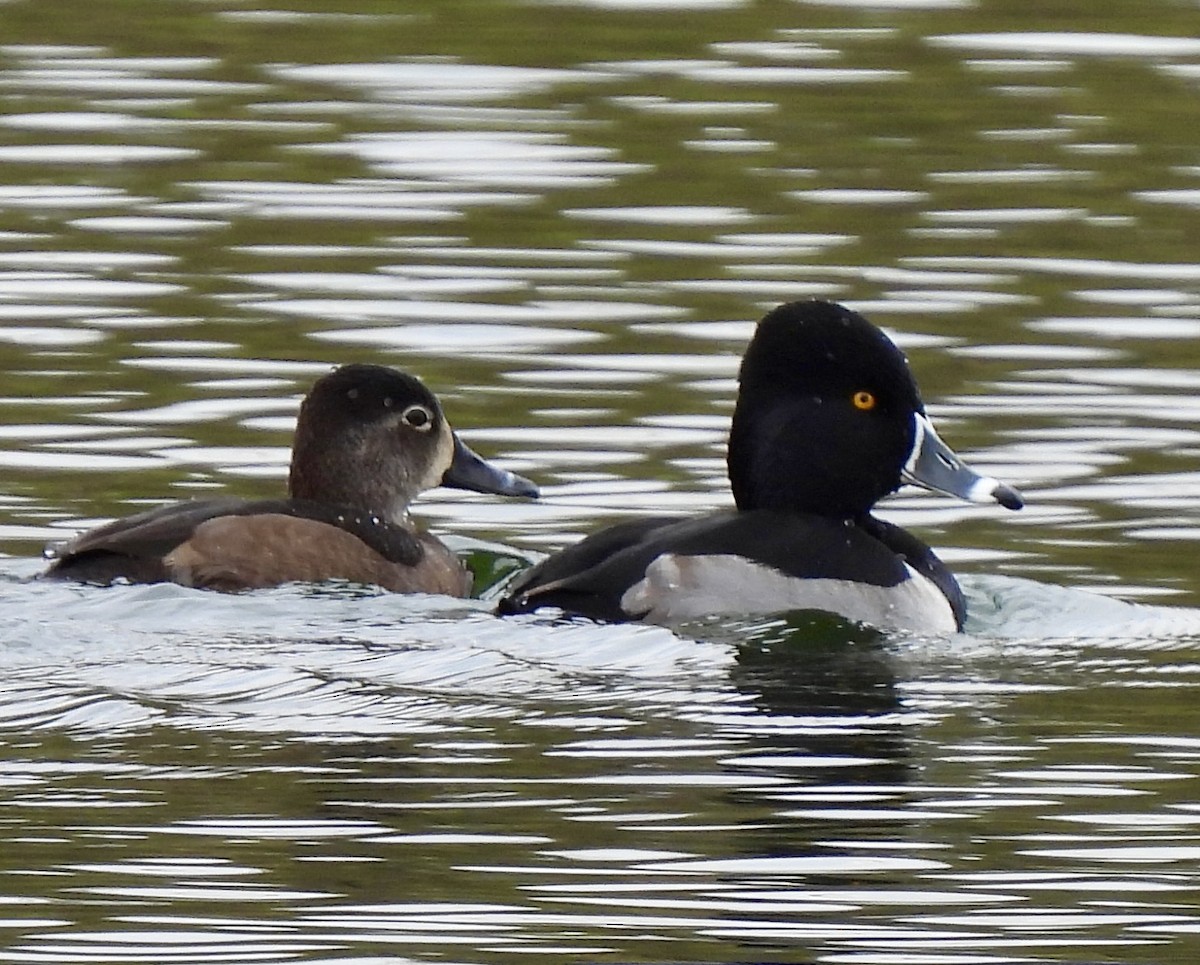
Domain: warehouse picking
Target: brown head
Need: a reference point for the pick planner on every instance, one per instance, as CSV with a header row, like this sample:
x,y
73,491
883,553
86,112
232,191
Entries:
x,y
373,438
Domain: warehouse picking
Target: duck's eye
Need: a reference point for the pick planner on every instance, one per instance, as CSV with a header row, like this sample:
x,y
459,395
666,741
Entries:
x,y
863,400
418,417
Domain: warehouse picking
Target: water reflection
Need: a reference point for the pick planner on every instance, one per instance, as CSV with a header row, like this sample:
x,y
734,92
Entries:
x,y
800,783
201,209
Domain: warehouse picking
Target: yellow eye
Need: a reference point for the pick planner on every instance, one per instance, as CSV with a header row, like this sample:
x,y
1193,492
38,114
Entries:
x,y
863,400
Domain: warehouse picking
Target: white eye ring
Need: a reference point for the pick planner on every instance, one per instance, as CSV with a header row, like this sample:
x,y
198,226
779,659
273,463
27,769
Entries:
x,y
418,417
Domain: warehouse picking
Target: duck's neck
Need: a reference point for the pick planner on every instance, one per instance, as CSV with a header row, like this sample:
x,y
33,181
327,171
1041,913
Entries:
x,y
792,457
313,478
779,478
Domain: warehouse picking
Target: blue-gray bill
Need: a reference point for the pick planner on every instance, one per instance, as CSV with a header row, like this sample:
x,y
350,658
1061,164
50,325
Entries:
x,y
934,465
469,470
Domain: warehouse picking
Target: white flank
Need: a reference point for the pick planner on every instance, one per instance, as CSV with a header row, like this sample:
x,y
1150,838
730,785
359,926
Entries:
x,y
677,588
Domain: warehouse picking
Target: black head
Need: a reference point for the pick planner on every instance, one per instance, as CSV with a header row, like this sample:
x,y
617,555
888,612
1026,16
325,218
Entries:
x,y
829,419
372,437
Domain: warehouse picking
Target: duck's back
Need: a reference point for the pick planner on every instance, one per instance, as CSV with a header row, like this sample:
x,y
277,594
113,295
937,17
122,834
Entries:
x,y
231,544
665,570
132,548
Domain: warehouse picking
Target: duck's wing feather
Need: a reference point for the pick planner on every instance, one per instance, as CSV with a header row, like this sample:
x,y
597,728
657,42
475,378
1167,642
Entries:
x,y
591,578
133,546
266,549
136,547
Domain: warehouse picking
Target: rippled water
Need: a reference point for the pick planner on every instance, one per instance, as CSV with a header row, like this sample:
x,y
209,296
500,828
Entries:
x,y
565,218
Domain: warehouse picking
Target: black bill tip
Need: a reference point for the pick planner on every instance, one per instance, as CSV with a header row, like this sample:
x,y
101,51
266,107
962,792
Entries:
x,y
1008,497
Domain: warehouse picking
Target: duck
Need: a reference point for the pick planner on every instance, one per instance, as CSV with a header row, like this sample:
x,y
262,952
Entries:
x,y
368,440
828,420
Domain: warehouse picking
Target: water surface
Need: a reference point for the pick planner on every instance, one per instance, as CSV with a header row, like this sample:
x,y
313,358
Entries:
x,y
566,218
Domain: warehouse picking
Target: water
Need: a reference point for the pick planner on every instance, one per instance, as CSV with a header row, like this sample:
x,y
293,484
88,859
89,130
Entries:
x,y
565,218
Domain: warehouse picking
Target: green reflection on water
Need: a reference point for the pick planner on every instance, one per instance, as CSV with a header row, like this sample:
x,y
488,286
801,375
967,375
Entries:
x,y
1083,134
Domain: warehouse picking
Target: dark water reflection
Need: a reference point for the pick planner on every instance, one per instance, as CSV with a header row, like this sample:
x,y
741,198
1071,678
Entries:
x,y
566,217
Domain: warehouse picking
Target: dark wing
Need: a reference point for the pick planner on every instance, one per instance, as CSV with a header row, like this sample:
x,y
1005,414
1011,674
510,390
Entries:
x,y
590,578
134,547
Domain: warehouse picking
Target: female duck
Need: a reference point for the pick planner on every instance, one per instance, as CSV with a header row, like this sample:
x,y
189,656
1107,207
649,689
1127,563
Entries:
x,y
828,421
368,440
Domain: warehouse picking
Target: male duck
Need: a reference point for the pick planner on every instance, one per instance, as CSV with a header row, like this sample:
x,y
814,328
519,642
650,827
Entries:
x,y
368,440
828,421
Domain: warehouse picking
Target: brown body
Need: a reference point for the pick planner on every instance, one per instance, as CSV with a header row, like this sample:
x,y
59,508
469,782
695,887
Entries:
x,y
248,552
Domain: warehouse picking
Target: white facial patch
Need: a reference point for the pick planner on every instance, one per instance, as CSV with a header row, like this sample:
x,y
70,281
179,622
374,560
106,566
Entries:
x,y
440,460
981,489
910,466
